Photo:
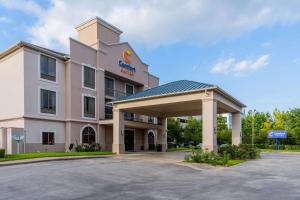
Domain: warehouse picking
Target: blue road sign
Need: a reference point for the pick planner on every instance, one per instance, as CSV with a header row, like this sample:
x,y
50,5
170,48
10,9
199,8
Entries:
x,y
277,134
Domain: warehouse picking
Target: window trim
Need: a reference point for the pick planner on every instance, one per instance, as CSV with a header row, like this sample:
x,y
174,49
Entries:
x,y
129,85
82,76
85,126
39,69
114,84
82,107
41,136
39,102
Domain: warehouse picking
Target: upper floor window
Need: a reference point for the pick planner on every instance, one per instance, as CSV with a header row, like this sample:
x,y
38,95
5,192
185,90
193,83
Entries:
x,y
129,89
48,101
89,108
89,77
48,138
109,86
48,68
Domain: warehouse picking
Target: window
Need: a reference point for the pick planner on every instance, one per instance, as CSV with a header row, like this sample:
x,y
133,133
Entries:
x,y
150,119
48,138
129,89
88,135
89,107
89,80
109,86
108,109
48,101
48,68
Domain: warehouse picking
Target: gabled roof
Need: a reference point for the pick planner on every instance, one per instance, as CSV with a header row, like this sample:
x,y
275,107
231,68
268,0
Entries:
x,y
176,87
35,47
169,88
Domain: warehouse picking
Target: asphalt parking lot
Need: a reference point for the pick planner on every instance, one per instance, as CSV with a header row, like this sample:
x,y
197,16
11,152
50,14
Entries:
x,y
161,176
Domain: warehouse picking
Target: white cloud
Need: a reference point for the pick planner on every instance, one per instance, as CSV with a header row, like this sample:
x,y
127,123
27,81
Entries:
x,y
156,22
223,66
241,67
30,7
4,19
266,45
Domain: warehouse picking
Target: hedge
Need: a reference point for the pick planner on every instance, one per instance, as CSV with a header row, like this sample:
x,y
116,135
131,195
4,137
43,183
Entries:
x,y
280,147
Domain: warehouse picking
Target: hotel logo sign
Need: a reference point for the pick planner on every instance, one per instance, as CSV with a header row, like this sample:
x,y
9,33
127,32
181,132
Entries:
x,y
125,64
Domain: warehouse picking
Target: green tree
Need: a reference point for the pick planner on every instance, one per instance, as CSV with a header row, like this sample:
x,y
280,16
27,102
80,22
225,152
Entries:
x,y
223,133
174,131
193,131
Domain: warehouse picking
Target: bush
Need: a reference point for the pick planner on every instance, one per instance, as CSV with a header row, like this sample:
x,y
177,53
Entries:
x,y
241,152
200,156
87,147
2,153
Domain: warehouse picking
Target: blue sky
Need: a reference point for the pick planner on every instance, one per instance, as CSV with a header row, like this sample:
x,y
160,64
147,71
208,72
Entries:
x,y
249,48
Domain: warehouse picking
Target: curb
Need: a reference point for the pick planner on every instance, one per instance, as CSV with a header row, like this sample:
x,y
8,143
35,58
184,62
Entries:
x,y
49,159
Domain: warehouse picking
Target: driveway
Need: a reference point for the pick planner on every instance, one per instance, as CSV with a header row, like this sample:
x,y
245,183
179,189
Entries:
x,y
141,176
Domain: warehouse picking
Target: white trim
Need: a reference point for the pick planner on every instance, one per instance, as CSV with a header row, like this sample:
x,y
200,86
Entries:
x,y
39,69
88,125
82,106
39,102
154,135
82,76
47,130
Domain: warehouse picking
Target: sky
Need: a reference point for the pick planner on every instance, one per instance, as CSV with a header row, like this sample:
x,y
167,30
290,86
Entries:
x,y
249,48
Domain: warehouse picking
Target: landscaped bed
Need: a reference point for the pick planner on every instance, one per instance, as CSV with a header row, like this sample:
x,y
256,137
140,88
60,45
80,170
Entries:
x,y
227,155
51,154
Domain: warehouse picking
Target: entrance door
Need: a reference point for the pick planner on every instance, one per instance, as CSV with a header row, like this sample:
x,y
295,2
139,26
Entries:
x,y
151,141
129,140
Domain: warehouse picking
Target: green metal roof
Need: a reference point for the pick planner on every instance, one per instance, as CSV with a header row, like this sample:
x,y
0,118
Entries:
x,y
169,88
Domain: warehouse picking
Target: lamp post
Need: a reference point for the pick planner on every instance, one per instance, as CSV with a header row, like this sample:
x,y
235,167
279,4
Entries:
x,y
252,114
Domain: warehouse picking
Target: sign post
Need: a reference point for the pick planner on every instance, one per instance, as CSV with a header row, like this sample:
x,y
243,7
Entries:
x,y
277,134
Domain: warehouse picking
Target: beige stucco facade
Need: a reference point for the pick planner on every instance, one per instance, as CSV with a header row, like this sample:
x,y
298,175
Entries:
x,y
97,47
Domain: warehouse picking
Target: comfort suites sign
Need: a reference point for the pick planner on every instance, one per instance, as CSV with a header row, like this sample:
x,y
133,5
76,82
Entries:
x,y
125,64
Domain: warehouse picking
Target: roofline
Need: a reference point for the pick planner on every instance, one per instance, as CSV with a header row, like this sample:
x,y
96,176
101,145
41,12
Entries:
x,y
223,92
102,22
216,88
21,44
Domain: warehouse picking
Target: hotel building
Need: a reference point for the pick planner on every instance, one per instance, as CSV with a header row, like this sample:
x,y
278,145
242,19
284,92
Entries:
x,y
51,101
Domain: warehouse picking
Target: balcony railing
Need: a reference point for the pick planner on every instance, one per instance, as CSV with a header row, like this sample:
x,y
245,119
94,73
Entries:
x,y
114,93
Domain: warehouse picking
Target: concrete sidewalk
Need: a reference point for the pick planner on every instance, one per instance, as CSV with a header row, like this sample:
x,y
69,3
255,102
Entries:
x,y
47,159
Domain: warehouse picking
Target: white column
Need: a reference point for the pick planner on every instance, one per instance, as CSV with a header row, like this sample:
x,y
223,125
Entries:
x,y
162,135
236,128
101,138
118,146
209,118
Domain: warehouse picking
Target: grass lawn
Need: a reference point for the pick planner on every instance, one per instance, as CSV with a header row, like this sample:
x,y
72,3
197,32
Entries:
x,y
51,154
230,163
273,150
178,149
235,162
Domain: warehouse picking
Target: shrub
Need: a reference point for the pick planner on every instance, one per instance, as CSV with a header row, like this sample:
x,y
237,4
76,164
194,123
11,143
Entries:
x,y
241,152
88,147
2,153
200,156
